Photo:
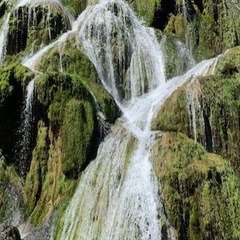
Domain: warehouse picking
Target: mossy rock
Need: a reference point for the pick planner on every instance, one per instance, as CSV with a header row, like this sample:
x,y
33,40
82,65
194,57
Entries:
x,y
208,27
35,24
38,169
207,109
14,79
75,7
200,190
177,119
46,186
10,76
76,133
146,9
229,63
66,58
11,190
67,140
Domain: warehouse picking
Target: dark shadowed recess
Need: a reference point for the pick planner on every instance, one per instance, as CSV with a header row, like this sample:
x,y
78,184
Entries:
x,y
162,15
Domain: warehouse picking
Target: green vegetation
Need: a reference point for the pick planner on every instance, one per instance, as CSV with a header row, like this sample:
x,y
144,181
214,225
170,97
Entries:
x,y
177,119
218,109
200,190
9,182
77,131
10,76
146,9
75,7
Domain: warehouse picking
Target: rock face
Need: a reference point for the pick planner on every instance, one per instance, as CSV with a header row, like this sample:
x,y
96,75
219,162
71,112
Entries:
x,y
208,27
199,189
9,233
34,24
206,109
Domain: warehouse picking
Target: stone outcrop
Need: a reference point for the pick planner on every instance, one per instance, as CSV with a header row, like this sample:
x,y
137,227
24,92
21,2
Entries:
x,y
9,233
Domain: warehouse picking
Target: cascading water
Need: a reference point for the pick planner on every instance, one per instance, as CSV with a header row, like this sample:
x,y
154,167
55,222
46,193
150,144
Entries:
x,y
187,25
22,152
3,38
117,197
119,47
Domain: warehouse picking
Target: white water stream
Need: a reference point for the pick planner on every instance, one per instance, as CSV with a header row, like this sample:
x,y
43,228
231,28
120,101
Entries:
x,y
3,38
25,130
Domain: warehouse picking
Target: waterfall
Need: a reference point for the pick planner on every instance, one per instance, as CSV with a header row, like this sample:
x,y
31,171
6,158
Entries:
x,y
195,112
3,38
117,196
119,46
23,148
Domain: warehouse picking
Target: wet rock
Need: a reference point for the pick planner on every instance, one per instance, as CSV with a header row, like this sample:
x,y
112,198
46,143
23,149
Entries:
x,y
9,233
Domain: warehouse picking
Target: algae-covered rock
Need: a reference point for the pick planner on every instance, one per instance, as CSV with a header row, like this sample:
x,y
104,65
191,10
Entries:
x,y
210,27
200,190
77,131
9,233
11,189
13,82
67,140
10,76
207,109
75,6
35,24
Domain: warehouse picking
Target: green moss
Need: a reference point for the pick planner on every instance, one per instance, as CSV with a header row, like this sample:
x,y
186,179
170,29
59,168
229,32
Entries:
x,y
38,169
76,133
229,63
30,28
200,190
176,27
11,75
209,27
75,7
175,120
46,186
216,111
147,9
8,180
69,60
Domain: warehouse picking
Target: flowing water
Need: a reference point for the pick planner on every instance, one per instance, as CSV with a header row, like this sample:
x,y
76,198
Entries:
x,y
3,38
25,132
124,52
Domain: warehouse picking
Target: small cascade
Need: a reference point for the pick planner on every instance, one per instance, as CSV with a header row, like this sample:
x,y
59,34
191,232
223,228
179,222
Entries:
x,y
185,55
118,45
23,148
33,4
3,38
187,26
39,23
118,190
31,62
195,112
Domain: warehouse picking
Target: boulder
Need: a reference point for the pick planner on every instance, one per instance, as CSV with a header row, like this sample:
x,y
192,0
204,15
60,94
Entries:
x,y
9,233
